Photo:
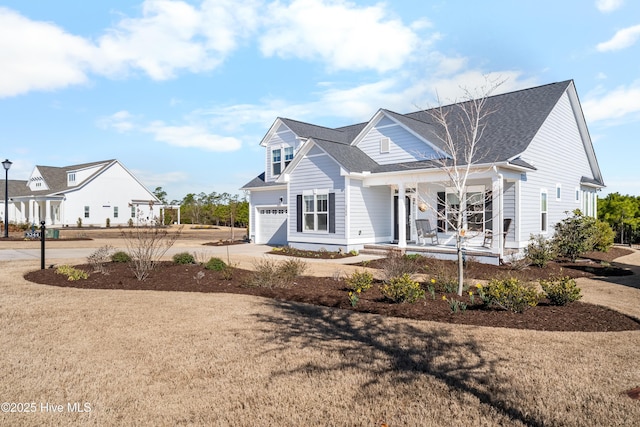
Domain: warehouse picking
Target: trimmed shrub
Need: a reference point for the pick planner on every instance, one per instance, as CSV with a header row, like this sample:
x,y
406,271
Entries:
x,y
361,280
561,291
184,258
402,289
120,256
509,294
215,264
540,250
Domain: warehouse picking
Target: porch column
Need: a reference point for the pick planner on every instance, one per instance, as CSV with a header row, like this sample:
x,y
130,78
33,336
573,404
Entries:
x,y
498,198
402,215
47,212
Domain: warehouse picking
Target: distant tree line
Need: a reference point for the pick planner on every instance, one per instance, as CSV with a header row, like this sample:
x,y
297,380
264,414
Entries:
x,y
622,213
222,209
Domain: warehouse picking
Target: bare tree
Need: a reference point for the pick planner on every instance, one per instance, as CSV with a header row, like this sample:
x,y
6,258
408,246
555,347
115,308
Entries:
x,y
146,246
459,128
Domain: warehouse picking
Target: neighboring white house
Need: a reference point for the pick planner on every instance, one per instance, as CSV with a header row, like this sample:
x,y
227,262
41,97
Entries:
x,y
363,184
91,192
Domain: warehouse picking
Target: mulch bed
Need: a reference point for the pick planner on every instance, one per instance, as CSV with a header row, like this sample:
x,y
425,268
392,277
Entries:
x,y
329,292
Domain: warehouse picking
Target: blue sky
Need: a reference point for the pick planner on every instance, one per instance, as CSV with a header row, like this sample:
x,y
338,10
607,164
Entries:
x,y
182,92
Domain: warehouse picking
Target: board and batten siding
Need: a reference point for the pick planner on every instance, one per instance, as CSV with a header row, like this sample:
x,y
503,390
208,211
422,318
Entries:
x,y
369,210
264,198
558,154
283,137
403,145
317,171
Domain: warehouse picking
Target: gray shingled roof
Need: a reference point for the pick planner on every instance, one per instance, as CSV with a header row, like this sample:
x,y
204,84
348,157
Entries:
x,y
258,182
54,177
515,119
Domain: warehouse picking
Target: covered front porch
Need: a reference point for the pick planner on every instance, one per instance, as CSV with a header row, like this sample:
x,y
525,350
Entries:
x,y
35,209
426,209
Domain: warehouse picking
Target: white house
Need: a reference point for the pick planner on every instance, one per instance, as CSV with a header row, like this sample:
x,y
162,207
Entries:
x,y
91,193
368,183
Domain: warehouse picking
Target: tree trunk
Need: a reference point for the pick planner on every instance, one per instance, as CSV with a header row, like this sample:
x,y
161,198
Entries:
x,y
460,264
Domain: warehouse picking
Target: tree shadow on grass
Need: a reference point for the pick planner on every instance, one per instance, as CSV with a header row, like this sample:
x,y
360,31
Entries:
x,y
382,346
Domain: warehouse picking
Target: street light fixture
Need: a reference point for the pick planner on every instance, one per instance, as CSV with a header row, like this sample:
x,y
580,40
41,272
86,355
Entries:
x,y
6,165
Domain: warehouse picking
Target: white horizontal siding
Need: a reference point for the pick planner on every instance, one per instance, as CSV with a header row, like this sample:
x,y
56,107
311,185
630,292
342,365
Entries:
x,y
317,171
558,153
369,212
284,137
403,145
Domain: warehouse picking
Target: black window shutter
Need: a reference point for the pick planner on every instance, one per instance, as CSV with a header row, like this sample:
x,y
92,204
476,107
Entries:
x,y
332,212
442,212
299,213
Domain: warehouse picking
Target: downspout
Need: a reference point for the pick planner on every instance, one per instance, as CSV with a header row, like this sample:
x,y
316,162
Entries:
x,y
501,238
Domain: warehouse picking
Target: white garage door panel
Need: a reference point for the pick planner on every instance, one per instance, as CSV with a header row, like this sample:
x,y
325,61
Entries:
x,y
272,225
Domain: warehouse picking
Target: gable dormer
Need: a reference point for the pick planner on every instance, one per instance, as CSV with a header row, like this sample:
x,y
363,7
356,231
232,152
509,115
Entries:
x,y
36,181
387,139
76,177
281,145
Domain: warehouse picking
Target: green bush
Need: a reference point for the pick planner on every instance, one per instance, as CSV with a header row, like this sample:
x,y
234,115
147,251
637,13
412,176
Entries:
x,y
402,289
184,258
72,273
561,291
120,256
509,294
575,235
604,235
539,251
215,264
360,280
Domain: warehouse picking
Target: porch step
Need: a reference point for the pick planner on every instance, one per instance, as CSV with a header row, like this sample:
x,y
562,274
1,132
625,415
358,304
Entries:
x,y
444,252
374,250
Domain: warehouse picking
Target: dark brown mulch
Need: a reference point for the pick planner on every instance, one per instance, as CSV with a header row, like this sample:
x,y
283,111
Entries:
x,y
301,253
328,292
590,265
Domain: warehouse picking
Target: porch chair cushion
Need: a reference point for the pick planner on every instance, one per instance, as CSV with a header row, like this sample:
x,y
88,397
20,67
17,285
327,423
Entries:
x,y
423,226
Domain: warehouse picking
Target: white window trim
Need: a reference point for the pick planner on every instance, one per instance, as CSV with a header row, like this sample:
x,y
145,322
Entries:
x,y
272,162
315,194
546,211
385,145
470,189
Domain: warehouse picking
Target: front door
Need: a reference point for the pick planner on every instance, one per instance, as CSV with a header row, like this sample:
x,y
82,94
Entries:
x,y
407,220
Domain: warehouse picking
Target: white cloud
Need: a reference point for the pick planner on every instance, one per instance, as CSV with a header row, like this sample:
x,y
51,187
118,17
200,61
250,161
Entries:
x,y
617,104
39,56
152,179
622,39
608,5
122,121
191,137
343,35
174,35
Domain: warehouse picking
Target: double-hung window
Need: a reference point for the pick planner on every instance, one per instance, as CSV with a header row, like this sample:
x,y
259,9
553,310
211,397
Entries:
x,y
288,156
473,209
316,212
86,211
115,212
543,211
276,159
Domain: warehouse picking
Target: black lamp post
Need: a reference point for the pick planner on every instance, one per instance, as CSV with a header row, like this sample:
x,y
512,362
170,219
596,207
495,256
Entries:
x,y
6,165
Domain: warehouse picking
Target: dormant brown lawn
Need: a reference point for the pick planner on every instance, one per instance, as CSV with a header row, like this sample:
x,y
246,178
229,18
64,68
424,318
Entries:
x,y
160,358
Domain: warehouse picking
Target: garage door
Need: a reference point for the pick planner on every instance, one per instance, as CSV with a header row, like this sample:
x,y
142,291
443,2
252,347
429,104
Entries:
x,y
272,225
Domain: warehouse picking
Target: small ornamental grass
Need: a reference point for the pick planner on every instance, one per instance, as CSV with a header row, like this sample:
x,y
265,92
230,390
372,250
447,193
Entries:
x,y
509,294
561,291
72,273
402,289
273,274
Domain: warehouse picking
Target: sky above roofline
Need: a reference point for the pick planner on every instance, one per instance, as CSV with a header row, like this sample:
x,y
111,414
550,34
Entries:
x,y
182,92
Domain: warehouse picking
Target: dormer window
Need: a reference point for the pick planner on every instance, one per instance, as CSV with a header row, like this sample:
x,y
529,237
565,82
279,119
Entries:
x,y
288,156
71,177
276,157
